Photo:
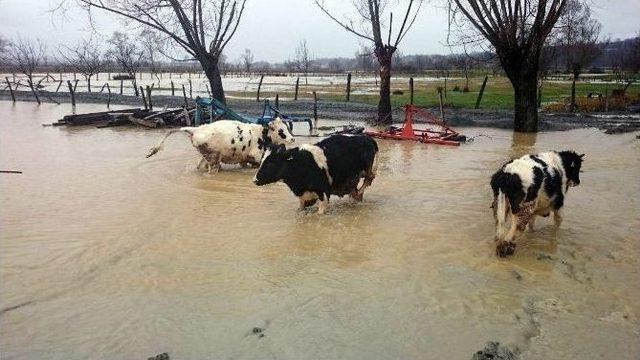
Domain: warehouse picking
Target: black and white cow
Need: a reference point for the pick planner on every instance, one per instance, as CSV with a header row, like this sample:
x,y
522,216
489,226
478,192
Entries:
x,y
232,142
530,186
333,166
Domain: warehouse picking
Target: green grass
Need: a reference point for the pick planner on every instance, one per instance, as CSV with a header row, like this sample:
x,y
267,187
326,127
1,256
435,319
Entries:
x,y
498,93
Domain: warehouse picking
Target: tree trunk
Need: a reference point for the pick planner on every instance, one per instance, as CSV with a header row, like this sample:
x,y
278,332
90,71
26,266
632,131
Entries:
x,y
525,88
89,83
212,71
384,105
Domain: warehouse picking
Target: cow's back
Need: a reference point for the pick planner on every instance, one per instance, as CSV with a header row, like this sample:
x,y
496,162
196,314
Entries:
x,y
348,156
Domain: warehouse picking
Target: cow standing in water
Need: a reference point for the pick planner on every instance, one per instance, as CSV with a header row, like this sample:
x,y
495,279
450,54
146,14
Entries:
x,y
530,186
333,166
232,142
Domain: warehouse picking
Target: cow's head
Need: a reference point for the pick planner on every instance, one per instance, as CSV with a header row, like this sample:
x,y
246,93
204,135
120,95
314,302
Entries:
x,y
278,131
572,162
273,165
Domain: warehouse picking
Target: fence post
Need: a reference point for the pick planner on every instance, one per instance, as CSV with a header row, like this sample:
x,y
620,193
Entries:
x,y
484,83
295,97
573,95
173,89
411,90
121,85
109,98
259,86
184,95
445,87
144,99
348,86
441,105
13,97
73,96
33,90
315,110
149,98
190,87
277,102
606,97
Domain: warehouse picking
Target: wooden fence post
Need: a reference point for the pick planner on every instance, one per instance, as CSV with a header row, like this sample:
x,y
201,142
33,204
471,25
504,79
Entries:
x,y
149,98
445,88
73,96
184,95
13,97
315,110
295,97
484,83
573,95
411,90
190,88
259,86
441,105
348,86
121,85
109,98
277,102
173,89
33,90
144,99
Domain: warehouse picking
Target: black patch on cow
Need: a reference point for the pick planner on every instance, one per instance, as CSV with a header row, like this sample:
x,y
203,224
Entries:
x,y
234,149
538,160
266,140
244,147
538,177
510,185
241,139
281,134
260,144
249,139
233,141
553,189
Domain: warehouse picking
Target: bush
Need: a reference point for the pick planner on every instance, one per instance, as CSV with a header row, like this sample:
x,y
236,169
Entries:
x,y
456,88
594,104
397,92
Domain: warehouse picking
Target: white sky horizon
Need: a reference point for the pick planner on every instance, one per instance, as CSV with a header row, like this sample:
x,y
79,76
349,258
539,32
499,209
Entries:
x,y
272,29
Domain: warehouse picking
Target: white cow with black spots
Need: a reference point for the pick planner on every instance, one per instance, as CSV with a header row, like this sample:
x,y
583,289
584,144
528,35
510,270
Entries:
x,y
232,142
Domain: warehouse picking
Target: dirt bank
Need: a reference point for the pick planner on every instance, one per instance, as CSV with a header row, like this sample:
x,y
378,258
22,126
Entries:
x,y
503,119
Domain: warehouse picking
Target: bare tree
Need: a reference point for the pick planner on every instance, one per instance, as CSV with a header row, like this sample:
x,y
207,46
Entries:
x,y
85,58
370,14
127,55
201,28
4,46
303,60
365,59
578,36
246,59
153,47
27,56
517,31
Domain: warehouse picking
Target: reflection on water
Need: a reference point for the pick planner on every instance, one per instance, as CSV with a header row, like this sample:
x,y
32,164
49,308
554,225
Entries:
x,y
107,255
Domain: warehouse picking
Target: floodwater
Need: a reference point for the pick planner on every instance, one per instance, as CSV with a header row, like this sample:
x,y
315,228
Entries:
x,y
107,255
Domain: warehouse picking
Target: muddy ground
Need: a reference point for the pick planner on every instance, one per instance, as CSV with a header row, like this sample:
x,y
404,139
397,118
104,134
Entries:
x,y
611,123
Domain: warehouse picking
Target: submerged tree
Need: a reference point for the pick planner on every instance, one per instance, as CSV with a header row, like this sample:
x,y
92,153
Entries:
x,y
371,19
201,28
85,58
517,31
26,56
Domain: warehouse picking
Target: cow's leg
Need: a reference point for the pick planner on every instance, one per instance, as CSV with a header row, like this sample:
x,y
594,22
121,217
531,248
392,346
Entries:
x,y
557,217
324,203
214,162
519,222
201,165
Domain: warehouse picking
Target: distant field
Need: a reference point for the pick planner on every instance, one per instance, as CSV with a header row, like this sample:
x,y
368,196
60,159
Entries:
x,y
364,89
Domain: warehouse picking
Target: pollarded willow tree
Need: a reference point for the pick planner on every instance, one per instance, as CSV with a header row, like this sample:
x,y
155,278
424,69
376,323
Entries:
x,y
370,27
202,28
517,31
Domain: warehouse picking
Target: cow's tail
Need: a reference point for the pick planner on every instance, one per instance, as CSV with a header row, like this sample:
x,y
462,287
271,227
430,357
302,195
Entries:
x,y
160,144
501,214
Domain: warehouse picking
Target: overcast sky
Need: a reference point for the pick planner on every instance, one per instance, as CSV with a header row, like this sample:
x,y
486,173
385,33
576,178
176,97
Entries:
x,y
273,28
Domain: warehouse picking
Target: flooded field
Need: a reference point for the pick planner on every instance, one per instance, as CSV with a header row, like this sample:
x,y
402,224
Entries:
x,y
107,255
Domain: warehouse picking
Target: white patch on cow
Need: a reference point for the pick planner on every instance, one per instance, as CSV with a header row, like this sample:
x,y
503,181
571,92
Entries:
x,y
318,157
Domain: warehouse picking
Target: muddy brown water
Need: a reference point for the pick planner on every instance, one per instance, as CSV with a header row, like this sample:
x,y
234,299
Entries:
x,y
107,255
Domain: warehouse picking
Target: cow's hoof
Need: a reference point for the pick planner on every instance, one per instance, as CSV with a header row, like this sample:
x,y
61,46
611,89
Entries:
x,y
505,248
